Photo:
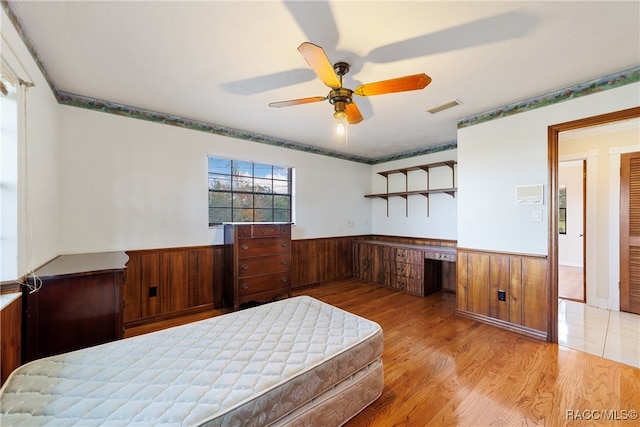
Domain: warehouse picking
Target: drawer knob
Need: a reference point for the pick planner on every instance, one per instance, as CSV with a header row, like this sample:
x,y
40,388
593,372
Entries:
x,y
245,286
245,266
284,262
284,279
245,246
284,244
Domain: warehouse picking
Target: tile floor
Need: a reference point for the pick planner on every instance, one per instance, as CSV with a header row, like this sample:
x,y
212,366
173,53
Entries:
x,y
613,335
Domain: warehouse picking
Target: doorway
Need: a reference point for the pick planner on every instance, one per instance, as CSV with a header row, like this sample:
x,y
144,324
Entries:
x,y
572,176
553,136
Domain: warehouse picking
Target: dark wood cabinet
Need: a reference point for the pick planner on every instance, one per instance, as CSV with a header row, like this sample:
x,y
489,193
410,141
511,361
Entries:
x,y
10,334
370,262
412,268
405,270
79,304
257,263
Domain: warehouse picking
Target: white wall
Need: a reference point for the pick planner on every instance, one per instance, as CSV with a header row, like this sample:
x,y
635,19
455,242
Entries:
x,y
414,222
570,244
37,166
133,184
497,156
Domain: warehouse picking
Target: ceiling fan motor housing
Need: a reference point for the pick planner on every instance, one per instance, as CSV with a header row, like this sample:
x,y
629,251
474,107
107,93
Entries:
x,y
340,98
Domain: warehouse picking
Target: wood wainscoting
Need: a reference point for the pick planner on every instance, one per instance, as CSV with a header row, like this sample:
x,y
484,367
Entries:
x,y
165,283
524,280
316,261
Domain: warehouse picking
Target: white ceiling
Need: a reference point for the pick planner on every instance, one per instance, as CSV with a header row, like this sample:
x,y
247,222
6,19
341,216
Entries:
x,y
222,62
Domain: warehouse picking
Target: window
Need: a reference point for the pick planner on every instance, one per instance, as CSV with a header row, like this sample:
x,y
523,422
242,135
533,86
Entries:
x,y
241,191
8,174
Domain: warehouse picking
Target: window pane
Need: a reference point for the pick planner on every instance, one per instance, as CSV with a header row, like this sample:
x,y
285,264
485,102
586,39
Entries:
x,y
264,215
219,200
264,201
281,187
242,168
281,173
220,166
243,215
242,183
262,171
281,215
243,201
282,202
219,182
262,185
218,215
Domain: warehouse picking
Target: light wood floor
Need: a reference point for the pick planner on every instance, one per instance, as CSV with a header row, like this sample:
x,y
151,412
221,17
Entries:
x,y
571,283
445,370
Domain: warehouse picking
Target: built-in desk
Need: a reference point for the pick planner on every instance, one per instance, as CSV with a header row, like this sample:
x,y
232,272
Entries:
x,y
412,268
78,304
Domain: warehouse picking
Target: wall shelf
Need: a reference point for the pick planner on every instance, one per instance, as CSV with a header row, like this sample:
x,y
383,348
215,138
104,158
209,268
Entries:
x,y
426,192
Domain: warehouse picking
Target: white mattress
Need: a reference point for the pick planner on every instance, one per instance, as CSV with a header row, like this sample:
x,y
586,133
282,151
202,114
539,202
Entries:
x,y
251,367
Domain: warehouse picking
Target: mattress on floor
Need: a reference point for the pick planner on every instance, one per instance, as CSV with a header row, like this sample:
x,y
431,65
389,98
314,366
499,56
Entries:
x,y
276,363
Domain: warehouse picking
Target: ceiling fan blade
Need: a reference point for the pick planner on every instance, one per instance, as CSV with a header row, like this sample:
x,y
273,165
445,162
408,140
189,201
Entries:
x,y
297,101
401,84
318,61
353,114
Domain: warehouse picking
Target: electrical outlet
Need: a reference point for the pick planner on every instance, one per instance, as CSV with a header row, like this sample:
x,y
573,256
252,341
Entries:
x,y
502,295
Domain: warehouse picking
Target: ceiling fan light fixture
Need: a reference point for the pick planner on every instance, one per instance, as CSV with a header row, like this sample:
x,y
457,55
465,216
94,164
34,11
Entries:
x,y
340,110
445,106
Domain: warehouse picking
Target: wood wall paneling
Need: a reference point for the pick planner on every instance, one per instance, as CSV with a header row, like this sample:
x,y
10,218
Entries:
x,y
165,283
498,281
177,272
535,291
462,298
150,284
524,279
201,262
315,261
514,297
478,283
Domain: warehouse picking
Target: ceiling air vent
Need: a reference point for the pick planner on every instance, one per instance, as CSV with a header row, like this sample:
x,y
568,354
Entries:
x,y
444,106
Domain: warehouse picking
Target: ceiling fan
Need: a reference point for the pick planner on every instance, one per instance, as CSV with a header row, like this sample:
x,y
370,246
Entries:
x,y
341,97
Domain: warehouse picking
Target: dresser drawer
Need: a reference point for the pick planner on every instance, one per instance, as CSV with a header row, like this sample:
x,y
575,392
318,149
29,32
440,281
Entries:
x,y
404,269
441,256
408,255
262,231
406,284
253,247
263,265
267,282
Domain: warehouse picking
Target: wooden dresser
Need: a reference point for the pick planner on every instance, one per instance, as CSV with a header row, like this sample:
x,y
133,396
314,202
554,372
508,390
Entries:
x,y
257,261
